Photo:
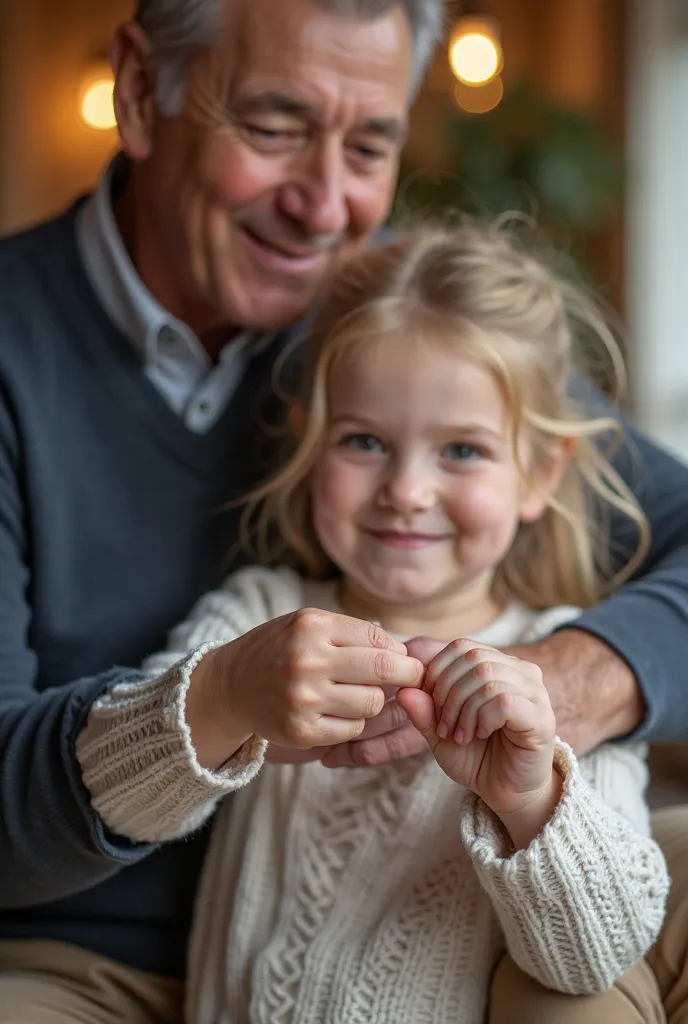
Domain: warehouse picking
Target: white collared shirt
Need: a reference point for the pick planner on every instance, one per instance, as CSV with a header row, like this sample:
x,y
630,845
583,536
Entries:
x,y
172,356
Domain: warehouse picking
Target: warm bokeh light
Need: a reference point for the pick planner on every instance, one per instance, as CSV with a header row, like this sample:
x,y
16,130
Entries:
x,y
479,99
97,107
475,54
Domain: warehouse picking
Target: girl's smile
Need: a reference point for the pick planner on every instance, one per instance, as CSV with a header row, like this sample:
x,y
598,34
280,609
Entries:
x,y
416,495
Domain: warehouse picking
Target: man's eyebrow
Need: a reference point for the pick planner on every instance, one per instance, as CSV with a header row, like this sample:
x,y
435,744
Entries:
x,y
282,103
274,102
386,127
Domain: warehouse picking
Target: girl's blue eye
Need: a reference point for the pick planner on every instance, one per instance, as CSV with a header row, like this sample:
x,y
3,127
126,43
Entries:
x,y
460,452
362,443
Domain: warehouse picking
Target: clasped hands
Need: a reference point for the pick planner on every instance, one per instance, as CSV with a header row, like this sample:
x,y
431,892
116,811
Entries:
x,y
323,686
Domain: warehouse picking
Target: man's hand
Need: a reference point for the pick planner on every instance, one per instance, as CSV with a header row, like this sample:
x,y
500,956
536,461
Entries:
x,y
594,692
310,679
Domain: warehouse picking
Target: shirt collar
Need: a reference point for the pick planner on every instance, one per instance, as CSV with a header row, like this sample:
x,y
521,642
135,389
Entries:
x,y
129,304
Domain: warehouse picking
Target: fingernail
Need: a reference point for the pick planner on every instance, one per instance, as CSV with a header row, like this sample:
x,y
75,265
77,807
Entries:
x,y
459,735
443,730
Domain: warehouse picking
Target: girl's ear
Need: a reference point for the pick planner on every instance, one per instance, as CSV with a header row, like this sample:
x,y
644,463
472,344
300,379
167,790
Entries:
x,y
297,420
535,500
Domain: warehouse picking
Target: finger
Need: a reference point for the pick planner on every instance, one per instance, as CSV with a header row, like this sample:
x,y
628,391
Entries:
x,y
364,666
346,701
420,708
510,711
369,753
390,718
346,631
510,679
471,670
454,651
463,702
289,755
334,730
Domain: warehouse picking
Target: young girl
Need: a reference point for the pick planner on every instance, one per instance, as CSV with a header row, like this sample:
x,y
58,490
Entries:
x,y
441,484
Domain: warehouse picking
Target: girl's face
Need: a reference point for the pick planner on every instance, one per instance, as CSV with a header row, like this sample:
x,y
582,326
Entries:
x,y
416,495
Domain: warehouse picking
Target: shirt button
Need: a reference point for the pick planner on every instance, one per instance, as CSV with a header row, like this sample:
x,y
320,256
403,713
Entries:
x,y
204,407
166,336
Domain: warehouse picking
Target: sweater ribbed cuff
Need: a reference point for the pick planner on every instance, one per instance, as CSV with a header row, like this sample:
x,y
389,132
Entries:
x,y
585,901
140,766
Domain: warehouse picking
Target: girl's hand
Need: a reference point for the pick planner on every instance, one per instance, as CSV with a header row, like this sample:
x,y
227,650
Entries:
x,y
489,723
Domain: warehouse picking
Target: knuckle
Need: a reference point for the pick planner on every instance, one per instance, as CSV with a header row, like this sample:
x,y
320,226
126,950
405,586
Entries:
x,y
377,636
488,690
298,732
383,666
300,697
396,746
537,675
306,620
484,669
397,715
460,645
300,662
505,701
356,729
375,702
366,755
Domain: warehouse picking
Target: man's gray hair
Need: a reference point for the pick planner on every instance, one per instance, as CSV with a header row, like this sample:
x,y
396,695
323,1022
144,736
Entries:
x,y
178,29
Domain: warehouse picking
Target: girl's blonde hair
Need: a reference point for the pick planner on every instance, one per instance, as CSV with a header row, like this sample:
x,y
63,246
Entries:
x,y
479,287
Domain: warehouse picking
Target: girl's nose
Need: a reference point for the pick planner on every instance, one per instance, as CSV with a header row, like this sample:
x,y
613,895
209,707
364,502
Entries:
x,y
409,488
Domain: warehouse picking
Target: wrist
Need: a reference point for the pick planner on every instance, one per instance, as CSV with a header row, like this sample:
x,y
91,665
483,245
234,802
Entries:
x,y
216,733
526,823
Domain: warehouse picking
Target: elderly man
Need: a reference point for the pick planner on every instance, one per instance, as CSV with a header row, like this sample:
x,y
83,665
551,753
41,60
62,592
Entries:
x,y
140,331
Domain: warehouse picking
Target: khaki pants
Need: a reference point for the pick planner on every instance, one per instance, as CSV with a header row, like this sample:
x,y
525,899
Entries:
x,y
51,983
653,992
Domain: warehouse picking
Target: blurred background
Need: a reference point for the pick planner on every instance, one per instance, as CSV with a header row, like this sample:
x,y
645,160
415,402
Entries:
x,y
573,110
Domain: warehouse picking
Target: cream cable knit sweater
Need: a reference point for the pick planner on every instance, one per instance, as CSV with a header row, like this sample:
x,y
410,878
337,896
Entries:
x,y
371,895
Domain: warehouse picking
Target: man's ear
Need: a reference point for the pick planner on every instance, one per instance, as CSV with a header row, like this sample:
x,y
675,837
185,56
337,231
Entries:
x,y
297,420
536,500
134,94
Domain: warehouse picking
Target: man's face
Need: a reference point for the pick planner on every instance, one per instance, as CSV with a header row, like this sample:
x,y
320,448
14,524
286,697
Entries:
x,y
284,160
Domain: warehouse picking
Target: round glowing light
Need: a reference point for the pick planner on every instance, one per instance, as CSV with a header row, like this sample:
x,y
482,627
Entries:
x,y
479,99
97,107
475,53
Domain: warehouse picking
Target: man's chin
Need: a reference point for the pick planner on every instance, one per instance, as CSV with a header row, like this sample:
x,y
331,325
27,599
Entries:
x,y
274,313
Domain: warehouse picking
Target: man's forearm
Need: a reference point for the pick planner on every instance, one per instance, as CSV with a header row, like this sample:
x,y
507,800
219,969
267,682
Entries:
x,y
52,843
594,692
647,620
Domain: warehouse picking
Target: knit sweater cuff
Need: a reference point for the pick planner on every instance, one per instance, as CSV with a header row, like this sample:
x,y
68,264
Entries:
x,y
585,900
140,766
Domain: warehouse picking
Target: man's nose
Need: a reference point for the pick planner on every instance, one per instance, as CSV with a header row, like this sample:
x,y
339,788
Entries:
x,y
317,198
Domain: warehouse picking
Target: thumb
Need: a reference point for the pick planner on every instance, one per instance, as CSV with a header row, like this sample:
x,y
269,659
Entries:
x,y
420,708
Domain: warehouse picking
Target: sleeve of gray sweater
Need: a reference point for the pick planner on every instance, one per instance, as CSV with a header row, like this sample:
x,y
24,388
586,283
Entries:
x,y
646,621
